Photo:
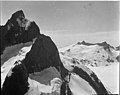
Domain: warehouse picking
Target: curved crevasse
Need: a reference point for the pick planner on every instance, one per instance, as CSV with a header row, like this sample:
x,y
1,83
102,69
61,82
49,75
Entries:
x,y
92,80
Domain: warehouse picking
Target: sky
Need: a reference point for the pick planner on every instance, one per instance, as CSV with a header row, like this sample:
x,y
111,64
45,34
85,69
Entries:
x,y
68,22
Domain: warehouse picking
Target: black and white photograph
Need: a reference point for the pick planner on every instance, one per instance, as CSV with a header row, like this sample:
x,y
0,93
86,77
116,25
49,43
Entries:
x,y
59,47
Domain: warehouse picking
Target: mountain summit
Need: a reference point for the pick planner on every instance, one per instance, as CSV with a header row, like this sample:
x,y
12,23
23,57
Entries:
x,y
17,30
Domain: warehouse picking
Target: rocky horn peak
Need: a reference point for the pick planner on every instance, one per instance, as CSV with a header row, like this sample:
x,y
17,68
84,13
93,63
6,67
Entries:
x,y
18,30
18,14
84,43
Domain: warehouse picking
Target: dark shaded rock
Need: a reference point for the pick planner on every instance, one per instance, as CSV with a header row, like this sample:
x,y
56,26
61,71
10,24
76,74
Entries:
x,y
85,43
118,58
106,46
17,83
92,79
65,90
43,54
118,48
17,30
103,44
109,60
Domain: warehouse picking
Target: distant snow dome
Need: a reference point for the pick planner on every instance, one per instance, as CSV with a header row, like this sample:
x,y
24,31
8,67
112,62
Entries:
x,y
99,54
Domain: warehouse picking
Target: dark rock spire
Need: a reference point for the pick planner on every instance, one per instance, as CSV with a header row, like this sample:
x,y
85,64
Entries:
x,y
17,30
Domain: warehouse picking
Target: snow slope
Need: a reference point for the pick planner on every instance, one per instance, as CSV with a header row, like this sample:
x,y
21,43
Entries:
x,y
109,75
79,86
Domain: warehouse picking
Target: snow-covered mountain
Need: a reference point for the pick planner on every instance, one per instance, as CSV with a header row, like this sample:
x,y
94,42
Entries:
x,y
32,64
99,54
100,58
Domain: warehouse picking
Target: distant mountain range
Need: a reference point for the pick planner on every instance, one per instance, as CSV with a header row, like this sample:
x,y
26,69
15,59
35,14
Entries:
x,y
99,54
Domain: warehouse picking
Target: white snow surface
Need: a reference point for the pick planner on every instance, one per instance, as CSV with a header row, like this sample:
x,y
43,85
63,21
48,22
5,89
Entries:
x,y
109,76
79,86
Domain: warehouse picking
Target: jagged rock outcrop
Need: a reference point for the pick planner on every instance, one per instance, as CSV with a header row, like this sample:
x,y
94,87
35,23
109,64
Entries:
x,y
104,44
118,48
16,82
84,43
65,89
17,30
118,58
43,54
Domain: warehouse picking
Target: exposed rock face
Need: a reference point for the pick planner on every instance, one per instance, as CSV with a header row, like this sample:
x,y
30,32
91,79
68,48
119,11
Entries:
x,y
65,90
118,58
105,45
17,30
43,54
84,43
118,48
17,82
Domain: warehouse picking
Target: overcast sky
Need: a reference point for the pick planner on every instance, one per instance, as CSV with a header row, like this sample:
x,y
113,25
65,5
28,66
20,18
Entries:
x,y
70,22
